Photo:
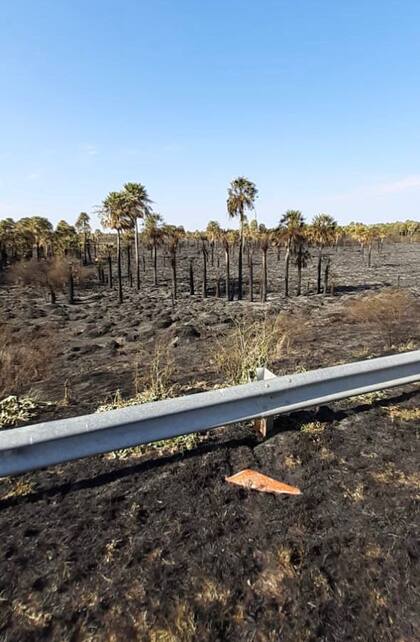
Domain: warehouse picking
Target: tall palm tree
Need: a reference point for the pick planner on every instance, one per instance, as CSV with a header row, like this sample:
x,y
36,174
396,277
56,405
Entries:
x,y
322,234
39,229
65,240
241,197
138,206
291,231
114,215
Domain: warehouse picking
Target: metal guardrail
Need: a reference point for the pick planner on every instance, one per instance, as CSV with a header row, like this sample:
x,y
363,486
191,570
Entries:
x,y
39,445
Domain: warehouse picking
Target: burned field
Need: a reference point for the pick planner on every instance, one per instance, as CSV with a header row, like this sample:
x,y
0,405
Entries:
x,y
153,544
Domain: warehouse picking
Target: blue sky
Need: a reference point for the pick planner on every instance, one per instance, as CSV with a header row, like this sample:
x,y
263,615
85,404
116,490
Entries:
x,y
316,101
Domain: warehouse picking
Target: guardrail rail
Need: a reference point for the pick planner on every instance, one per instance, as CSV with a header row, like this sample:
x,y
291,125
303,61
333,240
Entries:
x,y
39,445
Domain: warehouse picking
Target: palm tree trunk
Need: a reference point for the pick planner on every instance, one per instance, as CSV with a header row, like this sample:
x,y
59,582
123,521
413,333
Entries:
x,y
192,291
370,255
137,252
71,287
251,278
319,272
299,283
129,262
326,276
173,266
109,270
120,292
286,272
155,263
227,258
264,279
204,272
241,248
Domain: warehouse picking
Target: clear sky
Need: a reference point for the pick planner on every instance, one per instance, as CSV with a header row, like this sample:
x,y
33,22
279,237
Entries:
x,y
316,101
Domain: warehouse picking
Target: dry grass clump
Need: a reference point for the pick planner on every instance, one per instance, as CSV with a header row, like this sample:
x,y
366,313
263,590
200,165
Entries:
x,y
23,359
181,627
14,410
393,314
404,414
153,377
254,344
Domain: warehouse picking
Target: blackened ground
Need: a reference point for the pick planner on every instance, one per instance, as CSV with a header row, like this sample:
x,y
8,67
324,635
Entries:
x,y
163,549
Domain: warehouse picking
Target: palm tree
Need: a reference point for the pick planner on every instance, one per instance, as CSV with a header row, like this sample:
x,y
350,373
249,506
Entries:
x,y
114,216
241,197
291,231
39,230
138,206
65,238
153,235
83,228
322,234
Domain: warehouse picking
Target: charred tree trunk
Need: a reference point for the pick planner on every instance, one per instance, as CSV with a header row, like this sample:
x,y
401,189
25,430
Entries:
x,y
204,251
264,276
319,272
192,290
110,271
155,264
326,276
286,272
173,268
129,264
137,253
71,287
240,254
251,278
120,291
227,259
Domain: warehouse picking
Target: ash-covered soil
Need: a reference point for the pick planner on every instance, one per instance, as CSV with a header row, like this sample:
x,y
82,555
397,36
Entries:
x,y
164,549
157,546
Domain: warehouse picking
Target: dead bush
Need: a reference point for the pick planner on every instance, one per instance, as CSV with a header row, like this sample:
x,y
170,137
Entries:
x,y
393,314
50,275
23,360
254,344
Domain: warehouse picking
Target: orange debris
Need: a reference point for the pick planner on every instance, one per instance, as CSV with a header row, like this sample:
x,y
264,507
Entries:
x,y
257,481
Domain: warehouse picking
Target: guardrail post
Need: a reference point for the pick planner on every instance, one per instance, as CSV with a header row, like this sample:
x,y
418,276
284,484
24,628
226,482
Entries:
x,y
264,425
